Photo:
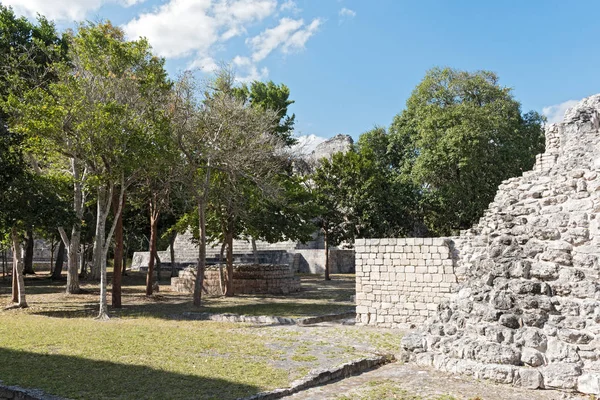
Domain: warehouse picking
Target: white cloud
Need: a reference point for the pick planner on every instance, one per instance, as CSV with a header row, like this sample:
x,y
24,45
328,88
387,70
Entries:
x,y
555,113
247,71
290,34
298,40
62,10
253,73
289,6
347,13
205,64
181,28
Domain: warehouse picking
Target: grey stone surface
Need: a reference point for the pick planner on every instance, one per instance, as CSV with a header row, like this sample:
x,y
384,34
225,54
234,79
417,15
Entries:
x,y
247,279
523,283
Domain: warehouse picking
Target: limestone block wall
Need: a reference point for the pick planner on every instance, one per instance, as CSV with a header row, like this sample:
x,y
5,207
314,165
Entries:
x,y
402,281
247,279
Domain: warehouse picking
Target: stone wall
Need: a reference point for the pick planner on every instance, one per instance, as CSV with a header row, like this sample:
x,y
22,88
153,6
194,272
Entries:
x,y
303,258
247,279
401,281
526,309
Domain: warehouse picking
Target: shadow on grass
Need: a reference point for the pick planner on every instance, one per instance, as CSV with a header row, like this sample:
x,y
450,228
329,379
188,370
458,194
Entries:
x,y
318,297
174,311
81,378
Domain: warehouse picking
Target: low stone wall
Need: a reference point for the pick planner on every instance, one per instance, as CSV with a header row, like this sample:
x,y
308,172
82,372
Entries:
x,y
401,281
247,279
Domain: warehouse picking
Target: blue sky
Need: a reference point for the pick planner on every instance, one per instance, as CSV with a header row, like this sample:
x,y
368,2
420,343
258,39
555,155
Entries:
x,y
351,64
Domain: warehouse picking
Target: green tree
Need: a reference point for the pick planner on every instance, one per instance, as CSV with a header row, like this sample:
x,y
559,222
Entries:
x,y
460,135
103,115
28,200
270,96
26,52
227,145
331,217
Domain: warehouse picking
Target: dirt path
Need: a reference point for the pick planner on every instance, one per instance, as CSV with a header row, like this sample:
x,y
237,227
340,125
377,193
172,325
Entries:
x,y
423,382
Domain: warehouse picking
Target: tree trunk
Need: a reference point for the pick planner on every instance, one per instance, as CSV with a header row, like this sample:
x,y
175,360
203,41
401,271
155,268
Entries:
x,y
118,257
83,261
202,246
124,269
4,264
201,254
15,284
153,233
158,266
172,252
52,248
18,270
229,278
95,269
28,259
254,251
72,244
60,256
327,278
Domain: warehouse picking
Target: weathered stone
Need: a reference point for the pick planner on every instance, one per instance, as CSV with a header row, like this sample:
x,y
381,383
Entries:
x,y
558,351
497,373
502,300
413,342
531,357
544,270
561,375
533,338
589,383
574,336
530,378
509,320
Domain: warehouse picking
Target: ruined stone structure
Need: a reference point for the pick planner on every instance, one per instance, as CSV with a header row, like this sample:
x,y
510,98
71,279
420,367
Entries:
x,y
302,257
247,279
525,307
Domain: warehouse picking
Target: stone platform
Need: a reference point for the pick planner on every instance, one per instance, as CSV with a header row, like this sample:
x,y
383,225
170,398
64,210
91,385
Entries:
x,y
247,279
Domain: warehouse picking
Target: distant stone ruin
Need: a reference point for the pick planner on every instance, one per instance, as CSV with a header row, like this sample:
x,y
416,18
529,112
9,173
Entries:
x,y
301,257
247,279
516,298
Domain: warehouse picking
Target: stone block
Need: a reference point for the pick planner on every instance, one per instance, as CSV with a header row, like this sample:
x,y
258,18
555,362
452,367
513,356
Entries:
x,y
530,378
589,384
561,376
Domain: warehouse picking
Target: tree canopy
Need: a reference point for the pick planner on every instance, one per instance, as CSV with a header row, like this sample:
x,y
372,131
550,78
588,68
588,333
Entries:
x,y
460,135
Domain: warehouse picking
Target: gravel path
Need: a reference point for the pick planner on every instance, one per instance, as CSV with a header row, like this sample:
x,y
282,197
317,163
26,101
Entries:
x,y
428,383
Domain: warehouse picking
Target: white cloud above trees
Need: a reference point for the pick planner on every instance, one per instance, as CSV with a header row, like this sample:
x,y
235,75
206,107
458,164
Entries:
x,y
181,28
556,112
63,10
198,30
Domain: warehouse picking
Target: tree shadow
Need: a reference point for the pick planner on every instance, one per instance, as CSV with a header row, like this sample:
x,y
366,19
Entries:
x,y
82,378
318,297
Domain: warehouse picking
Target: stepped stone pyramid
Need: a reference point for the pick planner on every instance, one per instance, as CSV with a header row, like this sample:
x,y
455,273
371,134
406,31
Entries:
x,y
526,308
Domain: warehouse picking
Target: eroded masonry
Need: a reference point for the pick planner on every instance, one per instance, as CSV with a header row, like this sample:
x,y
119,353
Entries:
x,y
516,298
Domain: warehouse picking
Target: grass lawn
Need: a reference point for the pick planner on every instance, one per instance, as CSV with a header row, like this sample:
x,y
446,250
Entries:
x,y
145,352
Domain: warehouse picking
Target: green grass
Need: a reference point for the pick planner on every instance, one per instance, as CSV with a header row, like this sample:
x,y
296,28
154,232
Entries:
x,y
146,352
317,297
134,359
